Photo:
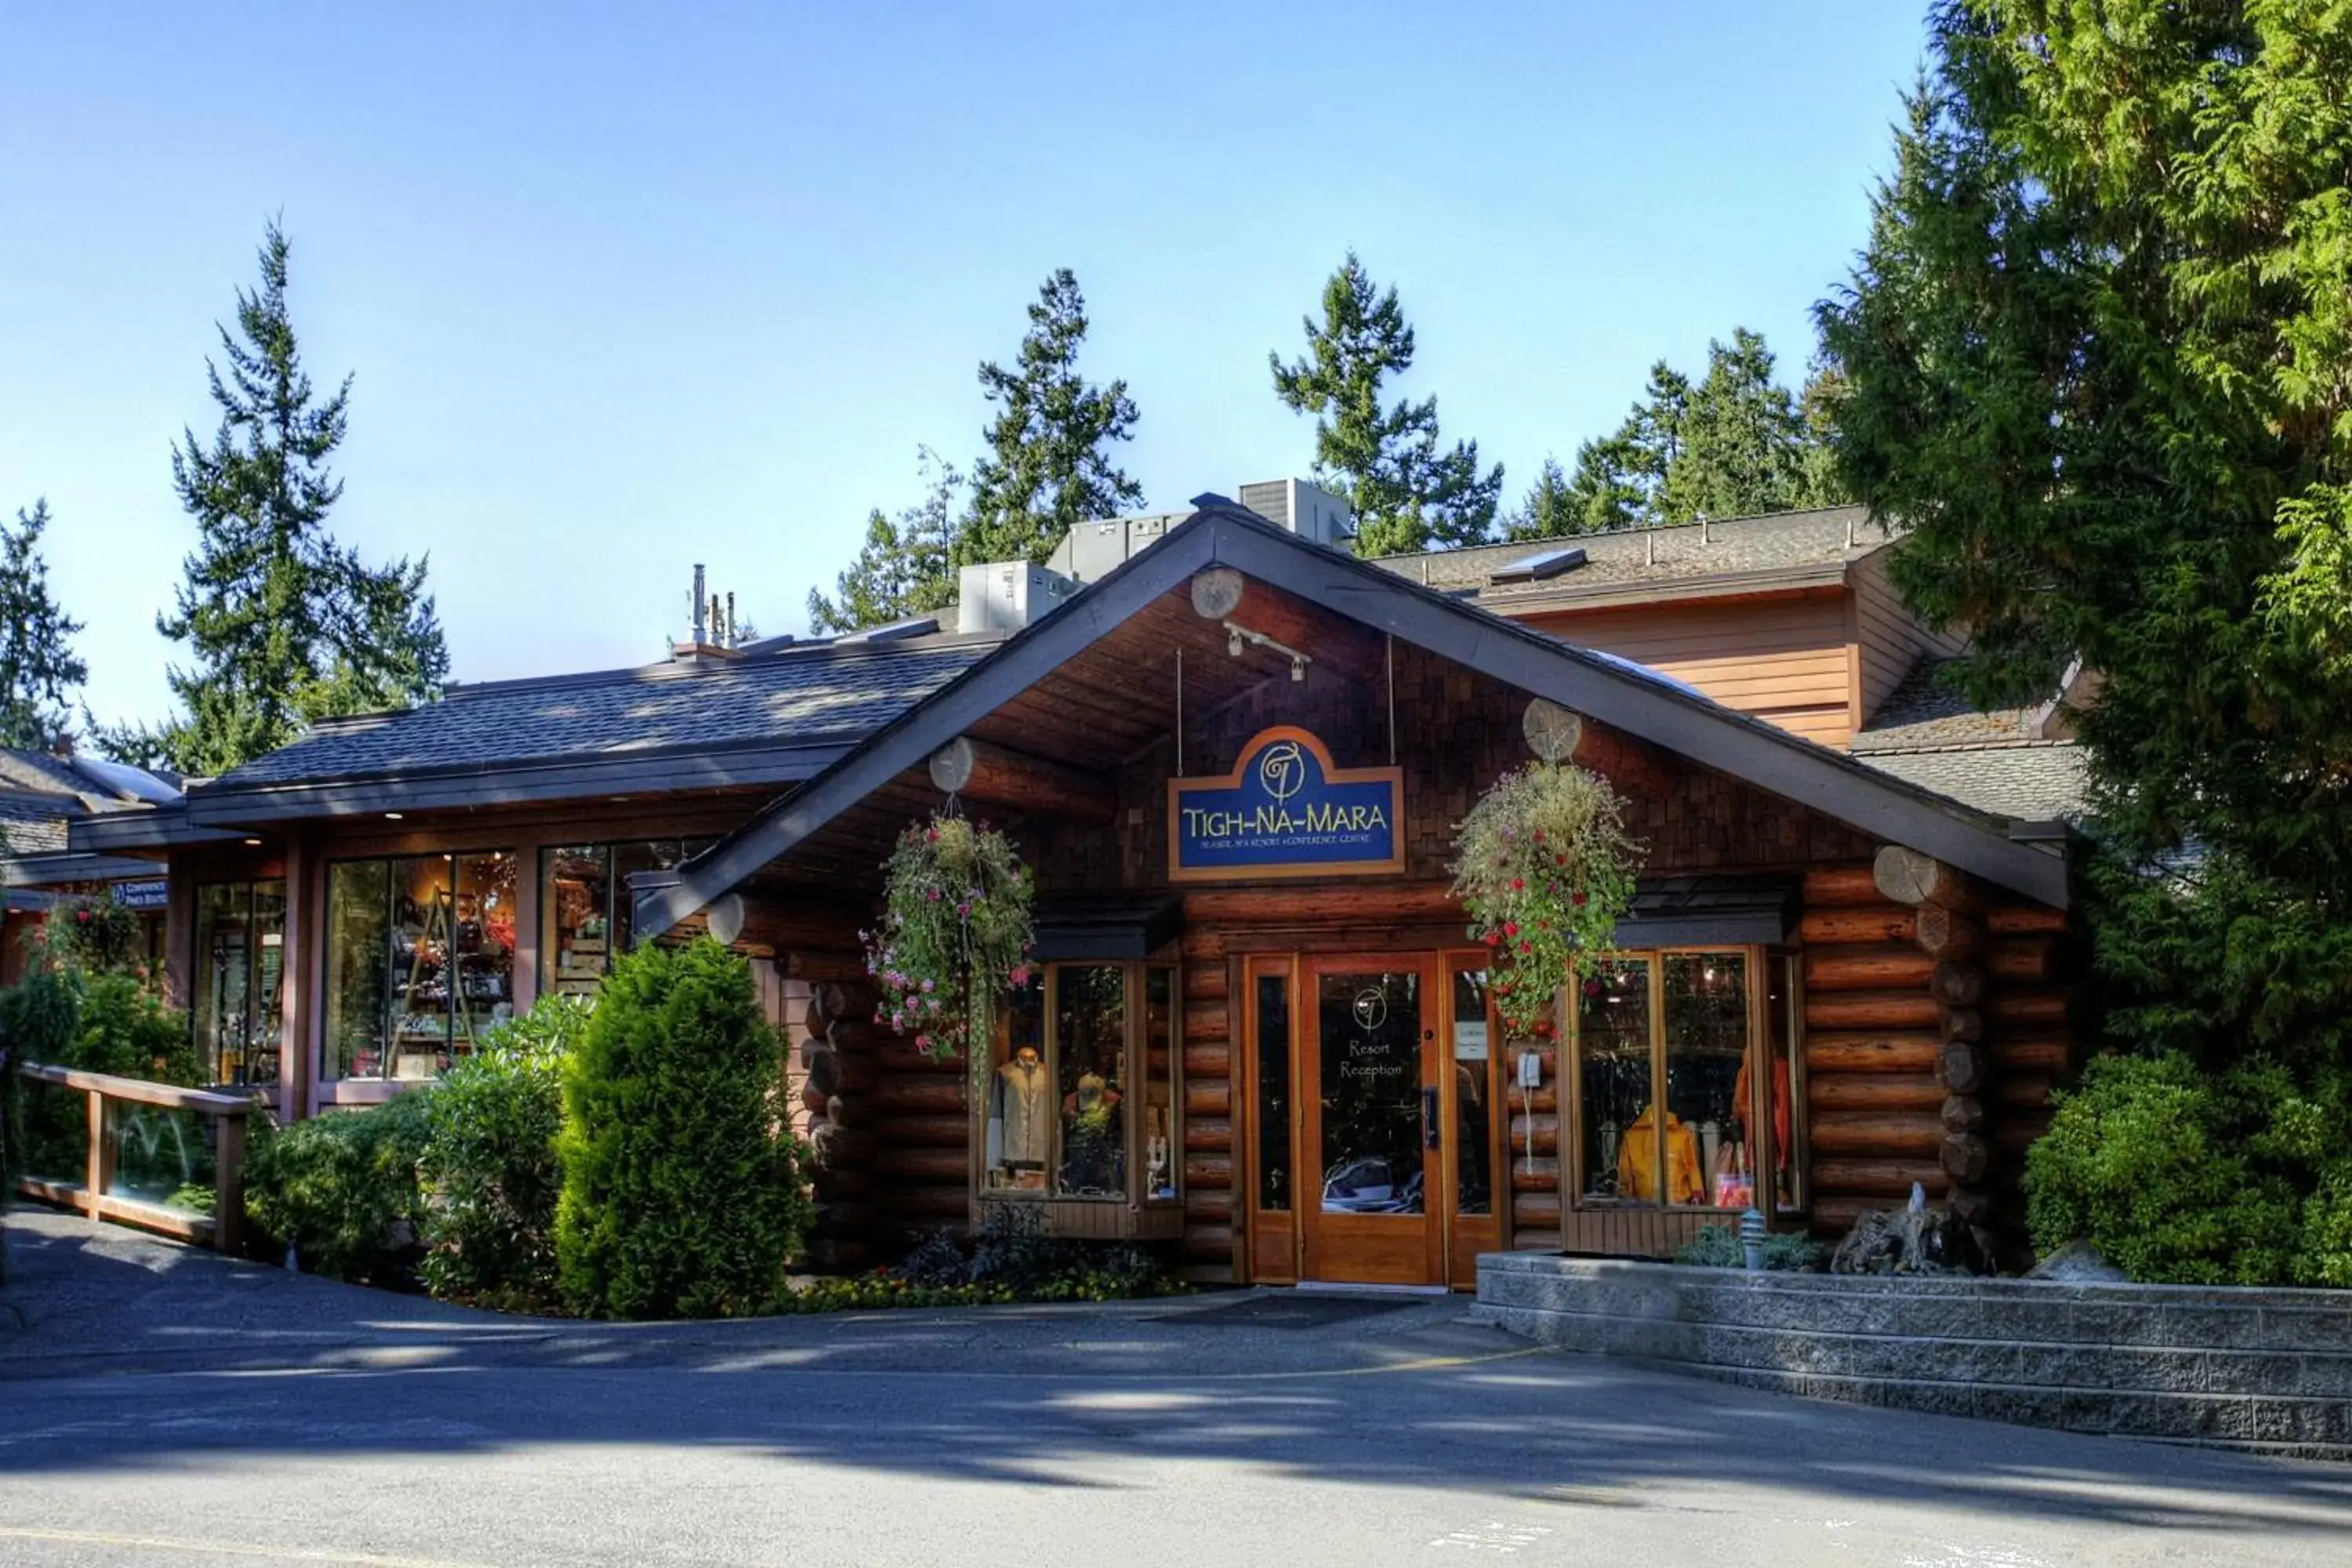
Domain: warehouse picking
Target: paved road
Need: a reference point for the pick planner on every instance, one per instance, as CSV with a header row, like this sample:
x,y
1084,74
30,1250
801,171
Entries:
x,y
158,1405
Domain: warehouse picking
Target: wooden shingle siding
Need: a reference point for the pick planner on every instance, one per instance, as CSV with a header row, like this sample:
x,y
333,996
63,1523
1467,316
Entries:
x,y
1782,659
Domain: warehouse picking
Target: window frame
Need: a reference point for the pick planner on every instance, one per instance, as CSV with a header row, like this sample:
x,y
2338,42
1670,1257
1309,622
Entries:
x,y
1759,961
329,1057
550,983
246,892
1135,1049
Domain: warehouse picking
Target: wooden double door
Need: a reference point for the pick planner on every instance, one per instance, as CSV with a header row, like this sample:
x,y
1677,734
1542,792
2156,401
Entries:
x,y
1374,1141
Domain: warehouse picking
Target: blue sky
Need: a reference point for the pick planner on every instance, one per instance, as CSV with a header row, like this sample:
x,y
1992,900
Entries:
x,y
630,287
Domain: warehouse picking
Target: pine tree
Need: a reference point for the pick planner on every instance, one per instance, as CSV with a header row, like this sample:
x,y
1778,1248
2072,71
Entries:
x,y
37,664
1551,510
1407,493
1047,467
285,625
905,568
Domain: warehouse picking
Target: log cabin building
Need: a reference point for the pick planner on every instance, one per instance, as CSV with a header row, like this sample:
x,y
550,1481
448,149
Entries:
x,y
1258,1037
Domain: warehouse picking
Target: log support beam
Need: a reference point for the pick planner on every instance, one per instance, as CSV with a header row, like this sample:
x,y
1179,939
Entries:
x,y
981,770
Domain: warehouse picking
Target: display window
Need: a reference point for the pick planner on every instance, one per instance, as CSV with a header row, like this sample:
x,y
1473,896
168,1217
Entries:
x,y
1687,1082
1474,1077
239,973
1082,1088
585,906
420,960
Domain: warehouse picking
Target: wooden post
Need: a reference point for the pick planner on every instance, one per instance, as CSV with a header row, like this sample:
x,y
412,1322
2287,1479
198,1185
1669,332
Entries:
x,y
981,770
1907,877
98,1171
228,1184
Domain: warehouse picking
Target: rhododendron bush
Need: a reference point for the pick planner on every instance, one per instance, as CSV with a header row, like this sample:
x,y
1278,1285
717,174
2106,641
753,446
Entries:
x,y
1544,868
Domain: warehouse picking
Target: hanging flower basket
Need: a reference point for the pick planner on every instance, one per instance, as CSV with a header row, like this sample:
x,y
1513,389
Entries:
x,y
1544,868
955,932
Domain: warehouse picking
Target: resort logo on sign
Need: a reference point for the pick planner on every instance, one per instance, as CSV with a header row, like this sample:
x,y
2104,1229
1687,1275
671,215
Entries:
x,y
1285,811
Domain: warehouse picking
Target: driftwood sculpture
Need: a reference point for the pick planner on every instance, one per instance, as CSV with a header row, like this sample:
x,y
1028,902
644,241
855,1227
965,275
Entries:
x,y
1914,1239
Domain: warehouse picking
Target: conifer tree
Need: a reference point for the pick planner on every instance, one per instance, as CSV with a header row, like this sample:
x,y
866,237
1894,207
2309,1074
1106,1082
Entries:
x,y
37,664
905,567
285,625
1048,464
1550,509
2094,356
1408,493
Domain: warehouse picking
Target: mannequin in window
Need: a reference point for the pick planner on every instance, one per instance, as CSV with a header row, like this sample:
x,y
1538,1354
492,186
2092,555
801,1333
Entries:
x,y
1023,1116
1092,1158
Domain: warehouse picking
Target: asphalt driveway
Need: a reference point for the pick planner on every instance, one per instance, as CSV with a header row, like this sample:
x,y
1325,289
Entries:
x,y
159,1405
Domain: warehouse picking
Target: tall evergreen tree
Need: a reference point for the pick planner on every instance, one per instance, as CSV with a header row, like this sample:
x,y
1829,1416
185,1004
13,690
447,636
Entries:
x,y
1048,464
2094,356
1549,509
905,567
1732,444
37,664
1407,492
285,625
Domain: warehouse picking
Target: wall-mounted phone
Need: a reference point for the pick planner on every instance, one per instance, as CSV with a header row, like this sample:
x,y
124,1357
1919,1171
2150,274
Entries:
x,y
1531,1070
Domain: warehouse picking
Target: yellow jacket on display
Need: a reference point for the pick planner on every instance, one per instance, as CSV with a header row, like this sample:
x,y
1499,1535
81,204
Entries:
x,y
1637,1162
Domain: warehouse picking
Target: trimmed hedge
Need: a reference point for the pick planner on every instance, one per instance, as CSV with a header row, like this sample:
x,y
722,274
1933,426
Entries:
x,y
682,1195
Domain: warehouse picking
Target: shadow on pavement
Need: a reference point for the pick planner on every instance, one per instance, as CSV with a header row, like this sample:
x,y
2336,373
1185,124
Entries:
x,y
137,1354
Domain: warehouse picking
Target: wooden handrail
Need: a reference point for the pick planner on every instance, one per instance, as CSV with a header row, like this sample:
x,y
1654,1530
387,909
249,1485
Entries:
x,y
225,1228
140,1091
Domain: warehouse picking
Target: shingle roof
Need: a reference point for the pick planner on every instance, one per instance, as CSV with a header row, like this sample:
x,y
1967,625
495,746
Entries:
x,y
1785,541
1925,709
805,692
2040,783
1994,759
33,827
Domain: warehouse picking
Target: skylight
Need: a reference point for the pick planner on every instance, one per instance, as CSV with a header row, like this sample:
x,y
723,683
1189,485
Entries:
x,y
1544,565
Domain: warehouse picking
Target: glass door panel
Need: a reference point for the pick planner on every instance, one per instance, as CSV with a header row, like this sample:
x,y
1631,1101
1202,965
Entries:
x,y
1375,1124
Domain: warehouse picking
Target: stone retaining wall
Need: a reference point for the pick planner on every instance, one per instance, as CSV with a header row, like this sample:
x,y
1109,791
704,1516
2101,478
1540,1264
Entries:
x,y
2243,1368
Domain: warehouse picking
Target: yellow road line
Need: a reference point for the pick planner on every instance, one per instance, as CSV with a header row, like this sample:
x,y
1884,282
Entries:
x,y
226,1548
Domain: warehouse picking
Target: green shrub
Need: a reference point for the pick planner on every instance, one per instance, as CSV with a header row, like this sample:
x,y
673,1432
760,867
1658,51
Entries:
x,y
1013,1259
489,1163
67,1016
1719,1246
343,1189
682,1195
2178,1175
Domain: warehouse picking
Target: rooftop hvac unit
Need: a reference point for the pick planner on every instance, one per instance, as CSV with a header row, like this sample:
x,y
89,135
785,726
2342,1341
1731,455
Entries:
x,y
1308,510
1093,550
1005,595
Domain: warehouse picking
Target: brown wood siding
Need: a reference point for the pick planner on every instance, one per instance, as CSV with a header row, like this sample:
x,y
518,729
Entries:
x,y
1891,640
1783,658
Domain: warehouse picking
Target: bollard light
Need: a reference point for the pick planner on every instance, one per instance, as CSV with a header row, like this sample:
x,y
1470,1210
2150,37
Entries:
x,y
1751,1238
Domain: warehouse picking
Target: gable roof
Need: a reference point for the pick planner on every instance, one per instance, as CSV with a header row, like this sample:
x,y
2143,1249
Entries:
x,y
1782,549
767,718
1221,533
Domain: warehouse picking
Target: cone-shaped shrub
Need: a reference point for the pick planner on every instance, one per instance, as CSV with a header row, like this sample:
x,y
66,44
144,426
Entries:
x,y
682,1192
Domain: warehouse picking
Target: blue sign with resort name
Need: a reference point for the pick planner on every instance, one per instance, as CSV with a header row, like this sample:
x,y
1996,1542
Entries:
x,y
1285,811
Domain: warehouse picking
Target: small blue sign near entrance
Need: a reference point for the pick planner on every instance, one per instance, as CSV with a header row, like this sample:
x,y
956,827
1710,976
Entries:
x,y
1285,811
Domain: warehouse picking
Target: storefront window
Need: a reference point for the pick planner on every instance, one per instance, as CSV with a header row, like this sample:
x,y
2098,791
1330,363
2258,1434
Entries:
x,y
1782,1112
1706,1074
1084,1091
1090,1034
1617,1114
585,906
1019,1143
1670,1110
420,961
1159,1154
239,970
1273,1004
1472,1095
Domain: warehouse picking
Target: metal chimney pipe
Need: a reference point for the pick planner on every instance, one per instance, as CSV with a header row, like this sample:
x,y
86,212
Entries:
x,y
730,638
701,608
